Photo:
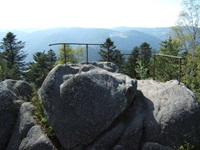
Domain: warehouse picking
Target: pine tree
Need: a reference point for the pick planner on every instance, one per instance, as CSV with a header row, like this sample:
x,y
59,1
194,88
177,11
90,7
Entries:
x,y
144,58
166,67
131,63
107,50
145,54
51,58
117,58
12,56
39,69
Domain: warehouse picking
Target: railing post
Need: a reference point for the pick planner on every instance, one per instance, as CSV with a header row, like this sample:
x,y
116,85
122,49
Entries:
x,y
154,67
65,55
87,53
179,71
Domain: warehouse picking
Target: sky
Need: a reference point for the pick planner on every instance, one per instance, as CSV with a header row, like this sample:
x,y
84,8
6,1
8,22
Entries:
x,y
16,14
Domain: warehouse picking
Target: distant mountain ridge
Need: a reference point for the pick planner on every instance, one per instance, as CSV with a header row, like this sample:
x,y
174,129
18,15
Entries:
x,y
125,38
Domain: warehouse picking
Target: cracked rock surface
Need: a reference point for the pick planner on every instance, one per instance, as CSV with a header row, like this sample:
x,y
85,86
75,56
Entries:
x,y
92,108
88,100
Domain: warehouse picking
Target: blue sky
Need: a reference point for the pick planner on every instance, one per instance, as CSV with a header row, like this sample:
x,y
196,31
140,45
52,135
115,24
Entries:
x,y
88,13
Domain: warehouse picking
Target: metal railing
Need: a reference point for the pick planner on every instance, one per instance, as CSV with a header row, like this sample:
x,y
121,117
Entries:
x,y
64,44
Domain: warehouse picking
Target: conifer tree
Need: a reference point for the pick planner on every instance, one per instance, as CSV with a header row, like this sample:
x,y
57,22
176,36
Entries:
x,y
144,59
39,69
107,50
12,56
131,63
166,67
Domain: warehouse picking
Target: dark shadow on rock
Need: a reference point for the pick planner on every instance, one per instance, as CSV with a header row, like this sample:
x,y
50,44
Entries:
x,y
151,127
128,131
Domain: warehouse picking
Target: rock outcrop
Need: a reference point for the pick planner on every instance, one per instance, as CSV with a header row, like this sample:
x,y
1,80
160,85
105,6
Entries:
x,y
24,122
171,114
88,99
92,107
18,127
36,140
11,95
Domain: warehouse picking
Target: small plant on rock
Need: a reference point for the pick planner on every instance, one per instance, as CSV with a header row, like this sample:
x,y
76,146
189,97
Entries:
x,y
189,146
40,118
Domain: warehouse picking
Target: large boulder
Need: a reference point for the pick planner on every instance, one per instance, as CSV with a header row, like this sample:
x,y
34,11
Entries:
x,y
12,93
24,122
92,108
82,101
36,139
171,114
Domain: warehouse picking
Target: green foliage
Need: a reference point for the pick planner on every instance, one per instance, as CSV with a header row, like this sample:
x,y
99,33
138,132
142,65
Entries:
x,y
12,57
41,66
189,146
145,52
117,58
3,68
78,53
187,29
37,104
167,67
141,70
107,50
109,53
40,118
71,55
138,64
131,63
188,34
51,58
191,74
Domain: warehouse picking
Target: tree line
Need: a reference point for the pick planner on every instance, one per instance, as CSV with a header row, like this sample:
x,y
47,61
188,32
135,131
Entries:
x,y
140,63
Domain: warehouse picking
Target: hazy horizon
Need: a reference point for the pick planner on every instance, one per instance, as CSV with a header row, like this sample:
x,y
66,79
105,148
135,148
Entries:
x,y
47,28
